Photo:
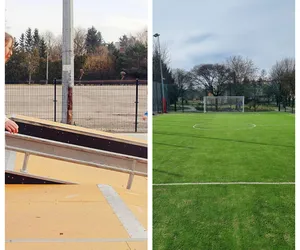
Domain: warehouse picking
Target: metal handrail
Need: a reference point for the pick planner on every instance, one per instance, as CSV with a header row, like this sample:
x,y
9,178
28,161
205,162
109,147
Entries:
x,y
76,154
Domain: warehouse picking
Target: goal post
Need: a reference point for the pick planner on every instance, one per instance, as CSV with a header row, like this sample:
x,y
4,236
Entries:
x,y
223,104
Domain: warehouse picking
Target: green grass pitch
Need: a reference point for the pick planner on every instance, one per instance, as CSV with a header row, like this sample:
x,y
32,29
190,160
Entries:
x,y
231,147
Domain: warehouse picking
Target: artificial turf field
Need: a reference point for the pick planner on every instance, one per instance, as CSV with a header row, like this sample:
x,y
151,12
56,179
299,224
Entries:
x,y
224,181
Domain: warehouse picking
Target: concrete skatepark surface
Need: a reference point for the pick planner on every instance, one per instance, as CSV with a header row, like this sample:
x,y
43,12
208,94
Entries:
x,y
77,216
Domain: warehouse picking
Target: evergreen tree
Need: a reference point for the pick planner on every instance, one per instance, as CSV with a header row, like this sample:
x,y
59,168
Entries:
x,y
112,49
36,38
16,45
93,40
124,41
43,48
28,41
22,42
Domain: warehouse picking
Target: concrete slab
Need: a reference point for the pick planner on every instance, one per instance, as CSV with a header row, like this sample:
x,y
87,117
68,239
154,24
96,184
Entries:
x,y
64,217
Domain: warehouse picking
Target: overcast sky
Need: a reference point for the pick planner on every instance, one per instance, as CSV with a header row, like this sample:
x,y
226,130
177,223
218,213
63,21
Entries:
x,y
209,31
112,18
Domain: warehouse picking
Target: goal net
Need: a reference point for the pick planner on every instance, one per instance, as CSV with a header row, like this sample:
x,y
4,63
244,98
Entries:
x,y
223,104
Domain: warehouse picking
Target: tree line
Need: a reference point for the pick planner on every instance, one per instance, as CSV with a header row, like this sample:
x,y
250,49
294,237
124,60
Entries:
x,y
237,76
94,59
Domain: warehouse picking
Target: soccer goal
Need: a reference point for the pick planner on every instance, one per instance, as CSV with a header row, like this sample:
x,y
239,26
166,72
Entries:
x,y
223,104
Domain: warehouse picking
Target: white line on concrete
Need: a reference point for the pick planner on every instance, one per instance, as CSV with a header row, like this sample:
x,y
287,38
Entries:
x,y
74,240
224,183
127,218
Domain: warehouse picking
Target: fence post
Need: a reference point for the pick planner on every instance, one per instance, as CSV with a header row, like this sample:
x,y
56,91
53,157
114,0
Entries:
x,y
157,97
136,102
55,100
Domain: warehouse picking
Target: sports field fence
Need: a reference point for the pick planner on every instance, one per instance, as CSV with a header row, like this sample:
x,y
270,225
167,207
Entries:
x,y
107,105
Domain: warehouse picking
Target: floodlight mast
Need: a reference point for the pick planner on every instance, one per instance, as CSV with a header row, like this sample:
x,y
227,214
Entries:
x,y
164,102
67,62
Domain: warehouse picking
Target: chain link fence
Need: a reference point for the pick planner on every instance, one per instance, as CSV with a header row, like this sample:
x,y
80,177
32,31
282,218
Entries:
x,y
259,97
104,105
158,96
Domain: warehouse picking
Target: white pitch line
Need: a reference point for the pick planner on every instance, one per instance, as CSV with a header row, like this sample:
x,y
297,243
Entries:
x,y
252,125
224,183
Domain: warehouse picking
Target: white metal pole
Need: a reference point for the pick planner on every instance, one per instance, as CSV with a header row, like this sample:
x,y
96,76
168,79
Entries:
x,y
47,66
161,74
67,62
243,103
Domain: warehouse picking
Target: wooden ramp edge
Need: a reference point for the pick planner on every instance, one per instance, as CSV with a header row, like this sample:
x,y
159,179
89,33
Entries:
x,y
81,136
78,129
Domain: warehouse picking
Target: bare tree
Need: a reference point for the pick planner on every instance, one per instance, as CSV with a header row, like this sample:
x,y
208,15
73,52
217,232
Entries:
x,y
283,76
142,36
183,80
54,45
56,53
49,39
213,77
31,62
165,55
79,41
165,58
242,68
263,75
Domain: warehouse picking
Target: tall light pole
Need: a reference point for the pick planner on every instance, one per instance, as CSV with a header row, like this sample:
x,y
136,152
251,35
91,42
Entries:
x,y
67,62
161,75
47,65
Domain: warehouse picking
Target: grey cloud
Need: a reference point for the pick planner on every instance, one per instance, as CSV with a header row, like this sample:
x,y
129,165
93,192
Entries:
x,y
199,38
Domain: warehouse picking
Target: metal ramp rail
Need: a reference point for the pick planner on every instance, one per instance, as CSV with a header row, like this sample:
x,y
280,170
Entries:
x,y
75,154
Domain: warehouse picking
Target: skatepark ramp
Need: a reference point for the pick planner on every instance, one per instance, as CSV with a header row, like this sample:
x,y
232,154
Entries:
x,y
105,209
80,136
75,154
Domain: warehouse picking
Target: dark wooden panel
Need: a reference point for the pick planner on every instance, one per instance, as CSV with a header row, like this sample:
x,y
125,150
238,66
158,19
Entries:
x,y
22,178
55,134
